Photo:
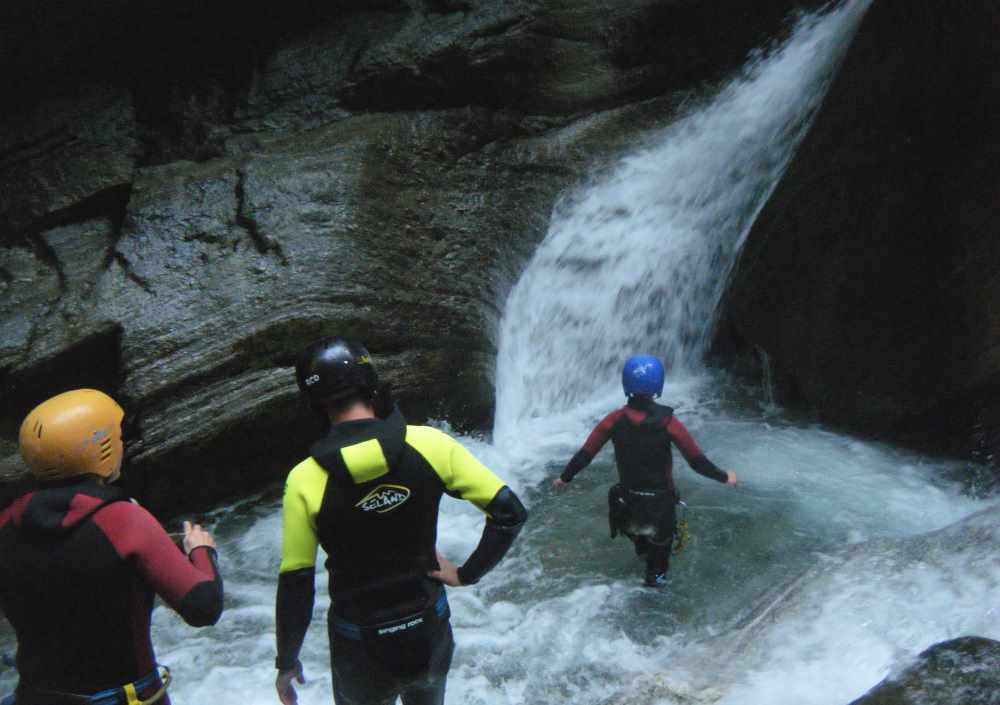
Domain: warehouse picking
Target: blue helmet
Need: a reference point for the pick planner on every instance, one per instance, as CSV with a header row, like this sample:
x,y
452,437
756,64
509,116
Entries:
x,y
643,375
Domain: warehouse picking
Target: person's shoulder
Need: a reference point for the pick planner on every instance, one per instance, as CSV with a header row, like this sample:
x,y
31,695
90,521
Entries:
x,y
433,444
428,438
672,422
427,435
664,410
125,508
615,414
125,522
306,471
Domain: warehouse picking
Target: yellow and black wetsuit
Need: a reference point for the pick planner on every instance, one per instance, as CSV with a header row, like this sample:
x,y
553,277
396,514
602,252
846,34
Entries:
x,y
369,494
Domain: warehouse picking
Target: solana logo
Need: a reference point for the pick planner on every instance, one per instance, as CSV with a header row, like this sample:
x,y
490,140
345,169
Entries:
x,y
384,498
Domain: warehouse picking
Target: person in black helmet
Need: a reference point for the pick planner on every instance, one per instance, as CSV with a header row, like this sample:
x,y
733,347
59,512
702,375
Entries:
x,y
642,504
368,494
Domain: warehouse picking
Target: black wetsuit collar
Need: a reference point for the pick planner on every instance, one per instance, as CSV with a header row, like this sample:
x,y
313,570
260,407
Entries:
x,y
641,403
57,507
390,432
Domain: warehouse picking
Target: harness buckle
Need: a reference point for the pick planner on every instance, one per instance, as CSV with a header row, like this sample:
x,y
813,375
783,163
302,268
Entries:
x,y
131,690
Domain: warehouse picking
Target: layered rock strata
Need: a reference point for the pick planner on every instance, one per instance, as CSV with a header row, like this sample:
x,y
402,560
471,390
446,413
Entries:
x,y
189,193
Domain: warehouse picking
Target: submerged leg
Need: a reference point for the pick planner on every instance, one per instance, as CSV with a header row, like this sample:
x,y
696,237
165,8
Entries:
x,y
641,545
657,564
658,557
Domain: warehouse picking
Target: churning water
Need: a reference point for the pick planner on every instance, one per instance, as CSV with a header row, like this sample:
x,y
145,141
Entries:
x,y
805,584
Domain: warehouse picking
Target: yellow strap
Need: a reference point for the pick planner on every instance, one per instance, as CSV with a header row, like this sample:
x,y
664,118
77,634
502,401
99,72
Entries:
x,y
365,461
132,697
681,537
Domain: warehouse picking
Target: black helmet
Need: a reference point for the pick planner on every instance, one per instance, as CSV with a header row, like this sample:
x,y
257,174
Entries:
x,y
335,368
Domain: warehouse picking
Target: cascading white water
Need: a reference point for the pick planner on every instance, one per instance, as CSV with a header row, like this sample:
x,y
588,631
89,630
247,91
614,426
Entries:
x,y
636,263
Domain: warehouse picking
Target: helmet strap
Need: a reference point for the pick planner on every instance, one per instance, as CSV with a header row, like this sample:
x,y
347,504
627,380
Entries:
x,y
382,400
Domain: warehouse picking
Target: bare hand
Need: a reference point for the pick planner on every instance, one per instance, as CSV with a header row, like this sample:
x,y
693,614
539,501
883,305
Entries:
x,y
730,477
447,573
558,484
195,536
283,684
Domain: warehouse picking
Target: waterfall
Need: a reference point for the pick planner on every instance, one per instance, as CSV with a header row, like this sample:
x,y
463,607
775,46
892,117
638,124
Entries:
x,y
637,262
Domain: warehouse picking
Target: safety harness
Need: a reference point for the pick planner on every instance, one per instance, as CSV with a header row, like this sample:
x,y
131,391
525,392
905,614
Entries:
x,y
619,515
683,532
419,620
127,694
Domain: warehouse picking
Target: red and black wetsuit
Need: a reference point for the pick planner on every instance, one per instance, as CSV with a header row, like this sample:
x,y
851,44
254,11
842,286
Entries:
x,y
79,567
643,433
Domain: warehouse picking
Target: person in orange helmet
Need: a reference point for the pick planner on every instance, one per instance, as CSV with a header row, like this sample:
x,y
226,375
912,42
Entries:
x,y
80,564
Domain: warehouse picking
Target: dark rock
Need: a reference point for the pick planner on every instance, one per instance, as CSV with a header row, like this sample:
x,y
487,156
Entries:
x,y
42,43
53,336
870,276
203,78
391,228
963,671
63,155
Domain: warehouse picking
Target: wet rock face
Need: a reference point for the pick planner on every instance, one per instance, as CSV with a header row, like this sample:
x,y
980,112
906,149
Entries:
x,y
870,277
65,155
191,193
964,671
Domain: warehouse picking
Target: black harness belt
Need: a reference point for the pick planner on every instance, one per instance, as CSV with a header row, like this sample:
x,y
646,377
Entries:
x,y
128,694
420,620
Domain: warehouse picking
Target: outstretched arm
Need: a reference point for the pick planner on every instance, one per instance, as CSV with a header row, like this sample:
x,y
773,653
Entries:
x,y
694,456
591,447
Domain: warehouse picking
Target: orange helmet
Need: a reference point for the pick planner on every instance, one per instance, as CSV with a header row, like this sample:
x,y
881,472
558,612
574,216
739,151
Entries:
x,y
73,433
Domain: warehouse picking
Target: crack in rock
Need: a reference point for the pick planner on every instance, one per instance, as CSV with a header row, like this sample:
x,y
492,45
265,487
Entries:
x,y
262,242
131,274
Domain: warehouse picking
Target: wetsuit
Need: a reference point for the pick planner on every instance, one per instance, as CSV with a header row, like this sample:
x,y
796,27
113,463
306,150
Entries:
x,y
643,433
79,567
369,495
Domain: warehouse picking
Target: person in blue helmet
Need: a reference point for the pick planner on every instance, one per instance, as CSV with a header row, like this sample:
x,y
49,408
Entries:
x,y
642,504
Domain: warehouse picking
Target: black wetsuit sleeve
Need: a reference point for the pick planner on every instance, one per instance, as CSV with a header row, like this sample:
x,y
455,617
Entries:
x,y
191,585
202,605
506,517
703,466
592,446
296,592
577,463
